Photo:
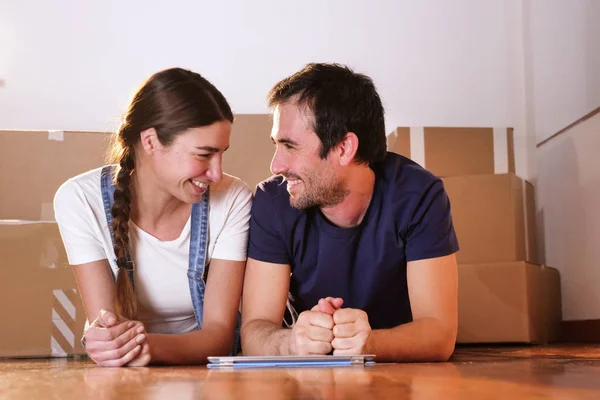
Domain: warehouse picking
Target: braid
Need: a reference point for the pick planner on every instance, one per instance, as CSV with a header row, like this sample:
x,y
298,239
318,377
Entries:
x,y
125,304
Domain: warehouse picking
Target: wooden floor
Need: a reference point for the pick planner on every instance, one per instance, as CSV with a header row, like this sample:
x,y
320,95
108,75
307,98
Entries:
x,y
527,372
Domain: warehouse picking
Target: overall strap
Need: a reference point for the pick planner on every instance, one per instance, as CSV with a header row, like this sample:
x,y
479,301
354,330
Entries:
x,y
108,191
199,238
198,250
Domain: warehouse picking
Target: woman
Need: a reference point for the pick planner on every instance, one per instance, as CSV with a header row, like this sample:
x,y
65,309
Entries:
x,y
156,220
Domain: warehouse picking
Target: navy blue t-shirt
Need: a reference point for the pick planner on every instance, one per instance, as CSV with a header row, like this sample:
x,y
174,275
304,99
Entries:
x,y
408,219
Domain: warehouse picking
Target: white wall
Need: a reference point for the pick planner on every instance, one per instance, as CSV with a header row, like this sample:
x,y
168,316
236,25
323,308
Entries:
x,y
562,69
568,193
73,64
565,61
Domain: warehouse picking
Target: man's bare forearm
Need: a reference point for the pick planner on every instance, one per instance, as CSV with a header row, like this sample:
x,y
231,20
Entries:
x,y
423,340
264,338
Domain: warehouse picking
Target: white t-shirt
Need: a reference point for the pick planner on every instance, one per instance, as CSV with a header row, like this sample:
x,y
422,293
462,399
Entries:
x,y
161,282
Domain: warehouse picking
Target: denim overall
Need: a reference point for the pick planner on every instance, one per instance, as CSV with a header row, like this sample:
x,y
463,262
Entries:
x,y
198,248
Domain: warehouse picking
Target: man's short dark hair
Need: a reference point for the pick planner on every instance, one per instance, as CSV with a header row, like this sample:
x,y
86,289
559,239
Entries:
x,y
341,101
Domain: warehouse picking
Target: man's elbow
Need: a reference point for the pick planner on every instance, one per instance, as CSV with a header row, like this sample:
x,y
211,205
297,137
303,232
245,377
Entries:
x,y
247,332
444,346
444,352
247,327
263,337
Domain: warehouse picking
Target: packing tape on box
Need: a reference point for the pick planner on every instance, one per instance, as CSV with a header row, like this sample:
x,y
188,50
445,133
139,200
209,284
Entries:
x,y
500,151
62,340
417,145
57,135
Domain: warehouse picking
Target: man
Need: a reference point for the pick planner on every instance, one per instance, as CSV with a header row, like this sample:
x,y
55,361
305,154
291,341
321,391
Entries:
x,y
362,239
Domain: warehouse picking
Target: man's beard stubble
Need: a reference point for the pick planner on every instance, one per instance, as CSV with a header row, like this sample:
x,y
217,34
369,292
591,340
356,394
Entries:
x,y
320,192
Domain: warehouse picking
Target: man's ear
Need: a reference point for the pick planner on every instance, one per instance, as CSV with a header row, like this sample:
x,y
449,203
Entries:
x,y
149,140
347,148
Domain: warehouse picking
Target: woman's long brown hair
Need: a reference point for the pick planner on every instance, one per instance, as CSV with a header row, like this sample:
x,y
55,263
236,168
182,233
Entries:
x,y
170,101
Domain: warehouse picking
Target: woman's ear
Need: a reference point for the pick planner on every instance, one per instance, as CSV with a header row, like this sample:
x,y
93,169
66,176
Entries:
x,y
149,140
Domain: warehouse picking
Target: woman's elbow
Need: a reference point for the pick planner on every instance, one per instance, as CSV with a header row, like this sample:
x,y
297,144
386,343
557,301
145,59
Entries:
x,y
222,339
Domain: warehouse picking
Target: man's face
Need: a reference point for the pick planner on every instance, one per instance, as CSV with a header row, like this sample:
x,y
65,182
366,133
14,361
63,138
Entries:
x,y
311,181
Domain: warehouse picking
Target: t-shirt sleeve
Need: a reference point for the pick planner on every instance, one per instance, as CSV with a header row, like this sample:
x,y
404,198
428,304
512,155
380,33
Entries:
x,y
75,222
232,242
266,242
430,232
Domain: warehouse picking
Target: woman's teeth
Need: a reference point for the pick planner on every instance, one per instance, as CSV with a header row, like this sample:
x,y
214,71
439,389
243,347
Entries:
x,y
201,185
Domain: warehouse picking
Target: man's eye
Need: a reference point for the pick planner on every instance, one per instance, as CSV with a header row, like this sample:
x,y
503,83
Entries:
x,y
202,155
289,146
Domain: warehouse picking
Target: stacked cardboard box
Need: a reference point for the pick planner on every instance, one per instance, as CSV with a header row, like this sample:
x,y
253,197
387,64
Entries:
x,y
504,294
44,315
35,163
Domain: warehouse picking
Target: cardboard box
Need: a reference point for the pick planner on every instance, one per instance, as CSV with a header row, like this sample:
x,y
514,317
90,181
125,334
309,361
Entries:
x,y
42,314
33,164
494,218
508,302
47,317
449,151
250,149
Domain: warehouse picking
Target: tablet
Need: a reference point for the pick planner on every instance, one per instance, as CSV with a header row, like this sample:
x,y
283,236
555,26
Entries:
x,y
290,361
